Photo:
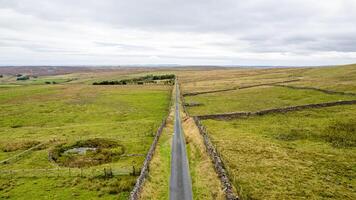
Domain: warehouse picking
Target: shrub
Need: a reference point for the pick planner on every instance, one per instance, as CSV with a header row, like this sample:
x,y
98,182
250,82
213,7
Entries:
x,y
22,78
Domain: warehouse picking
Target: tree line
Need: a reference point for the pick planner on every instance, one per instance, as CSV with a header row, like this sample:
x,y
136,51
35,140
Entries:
x,y
169,79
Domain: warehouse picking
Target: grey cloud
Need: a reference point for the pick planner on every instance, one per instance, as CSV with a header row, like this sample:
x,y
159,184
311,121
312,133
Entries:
x,y
339,45
32,46
256,26
124,46
183,15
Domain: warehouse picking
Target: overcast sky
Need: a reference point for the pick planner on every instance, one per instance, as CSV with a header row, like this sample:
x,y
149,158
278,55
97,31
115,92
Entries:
x,y
213,32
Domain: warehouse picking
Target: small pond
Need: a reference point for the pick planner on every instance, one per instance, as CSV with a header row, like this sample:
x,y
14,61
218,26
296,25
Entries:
x,y
79,150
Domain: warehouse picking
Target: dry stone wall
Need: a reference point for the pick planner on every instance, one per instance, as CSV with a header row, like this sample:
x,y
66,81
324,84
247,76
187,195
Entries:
x,y
267,84
317,89
218,163
207,92
135,193
237,88
226,116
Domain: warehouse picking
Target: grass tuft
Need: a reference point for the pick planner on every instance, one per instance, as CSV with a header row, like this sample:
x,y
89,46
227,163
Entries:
x,y
341,134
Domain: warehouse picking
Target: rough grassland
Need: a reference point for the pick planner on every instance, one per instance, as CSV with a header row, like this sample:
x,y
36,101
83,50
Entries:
x,y
340,78
157,183
68,113
306,154
205,182
214,79
258,98
156,186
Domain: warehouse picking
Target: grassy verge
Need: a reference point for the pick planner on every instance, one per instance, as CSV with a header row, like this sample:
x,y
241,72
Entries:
x,y
157,183
205,182
305,154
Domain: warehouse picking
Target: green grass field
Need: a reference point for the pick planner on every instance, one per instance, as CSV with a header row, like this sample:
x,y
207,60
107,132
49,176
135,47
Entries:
x,y
67,113
306,154
257,98
339,78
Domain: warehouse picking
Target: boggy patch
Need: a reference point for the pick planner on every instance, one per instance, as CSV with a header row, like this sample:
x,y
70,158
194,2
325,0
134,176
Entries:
x,y
85,153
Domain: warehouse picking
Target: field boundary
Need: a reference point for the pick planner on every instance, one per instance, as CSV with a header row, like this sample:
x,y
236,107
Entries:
x,y
267,84
217,161
210,91
135,193
65,172
21,153
184,104
238,88
214,157
234,115
316,89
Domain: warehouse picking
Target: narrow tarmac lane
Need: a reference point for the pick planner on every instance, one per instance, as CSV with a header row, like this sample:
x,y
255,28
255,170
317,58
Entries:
x,y
180,183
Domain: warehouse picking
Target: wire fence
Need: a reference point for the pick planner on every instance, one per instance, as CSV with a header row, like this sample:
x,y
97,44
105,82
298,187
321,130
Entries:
x,y
19,155
69,172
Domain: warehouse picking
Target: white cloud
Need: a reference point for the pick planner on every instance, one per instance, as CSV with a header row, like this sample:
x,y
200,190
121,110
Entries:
x,y
255,32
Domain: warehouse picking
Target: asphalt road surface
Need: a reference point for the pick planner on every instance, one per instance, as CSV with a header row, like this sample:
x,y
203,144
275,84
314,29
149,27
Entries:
x,y
180,183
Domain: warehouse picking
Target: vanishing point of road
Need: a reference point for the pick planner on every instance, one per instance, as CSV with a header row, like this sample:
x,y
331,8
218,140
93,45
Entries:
x,y
180,187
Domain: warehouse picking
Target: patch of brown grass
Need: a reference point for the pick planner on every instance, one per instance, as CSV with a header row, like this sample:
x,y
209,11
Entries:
x,y
15,146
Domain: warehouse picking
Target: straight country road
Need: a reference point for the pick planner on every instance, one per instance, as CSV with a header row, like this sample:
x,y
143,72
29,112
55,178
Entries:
x,y
180,183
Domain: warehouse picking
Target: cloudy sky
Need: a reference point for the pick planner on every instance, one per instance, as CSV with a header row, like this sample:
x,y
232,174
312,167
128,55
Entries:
x,y
213,32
